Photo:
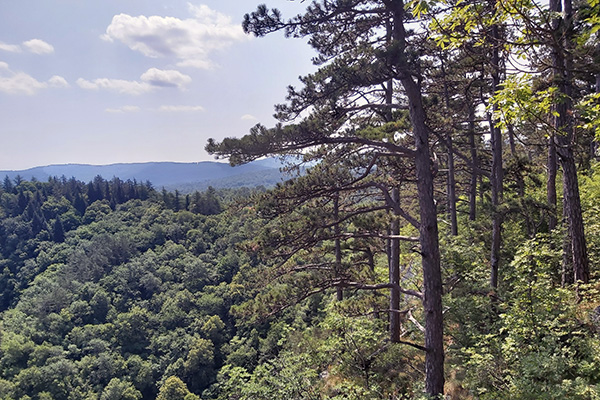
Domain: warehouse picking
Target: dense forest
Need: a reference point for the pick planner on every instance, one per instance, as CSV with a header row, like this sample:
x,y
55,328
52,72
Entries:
x,y
143,294
437,239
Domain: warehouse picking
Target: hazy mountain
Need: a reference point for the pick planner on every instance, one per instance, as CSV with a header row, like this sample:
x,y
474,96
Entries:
x,y
171,175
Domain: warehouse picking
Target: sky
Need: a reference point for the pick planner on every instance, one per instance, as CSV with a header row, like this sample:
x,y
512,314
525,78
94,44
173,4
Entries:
x,y
111,81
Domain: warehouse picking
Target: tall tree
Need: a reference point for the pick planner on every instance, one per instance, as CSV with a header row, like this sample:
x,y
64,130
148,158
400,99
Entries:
x,y
552,31
497,176
476,28
346,99
562,63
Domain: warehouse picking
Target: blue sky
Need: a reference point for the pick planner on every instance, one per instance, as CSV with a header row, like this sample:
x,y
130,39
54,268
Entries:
x,y
107,81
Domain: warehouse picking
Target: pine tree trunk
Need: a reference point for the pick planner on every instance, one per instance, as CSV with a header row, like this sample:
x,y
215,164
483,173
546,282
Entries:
x,y
564,136
496,184
572,201
474,160
552,167
428,228
497,175
594,150
452,189
429,241
394,269
567,258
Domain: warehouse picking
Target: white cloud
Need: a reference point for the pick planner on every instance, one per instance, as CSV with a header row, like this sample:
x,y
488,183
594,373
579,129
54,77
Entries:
x,y
124,109
249,117
206,16
21,83
190,41
38,46
166,78
58,82
35,46
115,85
181,108
150,80
13,48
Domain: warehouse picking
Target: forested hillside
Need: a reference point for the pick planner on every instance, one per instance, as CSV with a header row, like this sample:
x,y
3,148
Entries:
x,y
158,297
109,288
185,177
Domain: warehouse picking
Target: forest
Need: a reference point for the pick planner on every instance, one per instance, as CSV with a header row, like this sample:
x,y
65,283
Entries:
x,y
436,238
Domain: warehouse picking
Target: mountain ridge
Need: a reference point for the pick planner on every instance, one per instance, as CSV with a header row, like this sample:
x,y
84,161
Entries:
x,y
172,175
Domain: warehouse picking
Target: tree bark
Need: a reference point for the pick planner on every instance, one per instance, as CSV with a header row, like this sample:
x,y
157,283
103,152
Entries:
x,y
452,189
552,167
497,175
394,269
428,228
475,161
564,138
429,241
581,272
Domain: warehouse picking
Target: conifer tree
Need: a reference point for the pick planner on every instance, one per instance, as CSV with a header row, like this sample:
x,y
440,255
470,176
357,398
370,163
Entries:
x,y
347,98
562,64
58,231
7,185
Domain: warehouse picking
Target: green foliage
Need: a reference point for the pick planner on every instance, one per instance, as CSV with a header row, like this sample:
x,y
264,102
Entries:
x,y
175,389
131,306
589,109
590,192
119,390
338,357
120,303
539,347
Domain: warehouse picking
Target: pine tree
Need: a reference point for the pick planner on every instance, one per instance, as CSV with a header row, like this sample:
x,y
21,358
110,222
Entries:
x,y
364,48
7,185
58,231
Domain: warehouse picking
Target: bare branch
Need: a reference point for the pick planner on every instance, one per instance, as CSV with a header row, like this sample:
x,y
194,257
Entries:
x,y
415,345
380,236
381,286
414,321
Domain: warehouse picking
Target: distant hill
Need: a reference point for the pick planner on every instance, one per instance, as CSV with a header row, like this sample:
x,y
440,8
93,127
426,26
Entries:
x,y
185,177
